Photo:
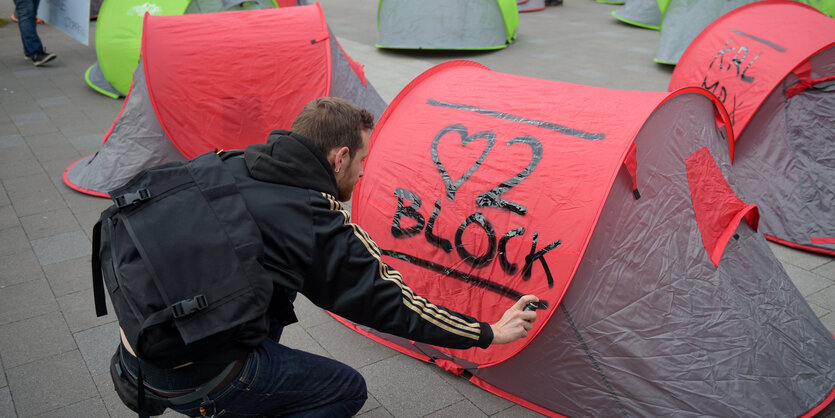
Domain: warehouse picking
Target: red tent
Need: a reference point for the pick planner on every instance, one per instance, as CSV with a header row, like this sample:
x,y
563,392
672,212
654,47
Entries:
x,y
615,208
220,81
772,64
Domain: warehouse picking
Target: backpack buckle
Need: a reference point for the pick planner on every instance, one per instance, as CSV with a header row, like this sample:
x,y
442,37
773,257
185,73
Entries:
x,y
189,306
128,199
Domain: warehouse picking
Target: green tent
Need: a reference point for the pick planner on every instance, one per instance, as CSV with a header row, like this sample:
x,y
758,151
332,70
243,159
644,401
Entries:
x,y
446,24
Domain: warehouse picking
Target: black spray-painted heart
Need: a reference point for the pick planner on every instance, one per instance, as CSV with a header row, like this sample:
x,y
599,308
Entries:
x,y
452,186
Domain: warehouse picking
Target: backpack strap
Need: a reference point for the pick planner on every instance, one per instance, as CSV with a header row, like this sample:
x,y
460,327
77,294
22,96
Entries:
x,y
123,198
98,281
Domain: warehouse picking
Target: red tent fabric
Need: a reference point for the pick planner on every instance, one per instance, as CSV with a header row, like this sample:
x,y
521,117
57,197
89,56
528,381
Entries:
x,y
220,81
214,117
771,64
493,156
742,56
616,208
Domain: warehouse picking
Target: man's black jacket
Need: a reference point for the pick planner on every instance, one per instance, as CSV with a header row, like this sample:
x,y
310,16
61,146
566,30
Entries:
x,y
313,248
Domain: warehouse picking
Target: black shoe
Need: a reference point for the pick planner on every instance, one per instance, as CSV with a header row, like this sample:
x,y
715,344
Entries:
x,y
41,58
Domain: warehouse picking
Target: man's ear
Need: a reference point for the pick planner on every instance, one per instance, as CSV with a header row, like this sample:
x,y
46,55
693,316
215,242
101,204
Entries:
x,y
336,158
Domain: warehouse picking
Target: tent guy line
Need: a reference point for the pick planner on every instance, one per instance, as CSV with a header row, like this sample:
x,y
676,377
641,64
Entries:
x,y
507,116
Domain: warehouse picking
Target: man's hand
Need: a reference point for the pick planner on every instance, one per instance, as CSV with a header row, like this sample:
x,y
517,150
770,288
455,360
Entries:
x,y
515,323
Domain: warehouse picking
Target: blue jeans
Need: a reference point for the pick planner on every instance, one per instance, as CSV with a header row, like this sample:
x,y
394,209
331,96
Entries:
x,y
26,11
279,380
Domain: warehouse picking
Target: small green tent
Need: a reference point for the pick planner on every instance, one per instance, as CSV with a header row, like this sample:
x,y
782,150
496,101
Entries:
x,y
446,24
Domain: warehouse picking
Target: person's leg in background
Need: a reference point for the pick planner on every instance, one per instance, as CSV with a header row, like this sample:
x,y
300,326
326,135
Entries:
x,y
26,11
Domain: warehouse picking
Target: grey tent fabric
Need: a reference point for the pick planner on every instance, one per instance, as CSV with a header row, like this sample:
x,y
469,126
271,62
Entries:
x,y
209,6
440,24
96,78
644,13
785,159
137,141
346,85
684,20
95,5
649,327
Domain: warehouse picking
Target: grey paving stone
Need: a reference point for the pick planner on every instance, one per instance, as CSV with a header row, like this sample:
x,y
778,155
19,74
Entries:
x,y
111,400
378,412
26,300
37,202
12,168
824,298
370,404
643,69
80,202
79,310
49,223
13,240
86,142
294,336
29,118
804,259
28,184
4,197
819,311
87,220
8,217
29,72
55,152
69,276
828,321
7,409
517,411
97,346
55,169
407,387
38,388
16,153
486,402
66,115
61,247
9,141
349,347
464,408
35,128
46,140
35,338
54,101
78,125
827,270
82,127
309,314
19,267
807,282
88,408
3,381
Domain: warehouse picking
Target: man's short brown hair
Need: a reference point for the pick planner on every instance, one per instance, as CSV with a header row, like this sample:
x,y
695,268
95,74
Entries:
x,y
331,122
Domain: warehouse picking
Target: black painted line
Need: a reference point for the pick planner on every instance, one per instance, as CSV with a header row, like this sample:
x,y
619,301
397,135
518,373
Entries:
x,y
457,274
776,47
507,116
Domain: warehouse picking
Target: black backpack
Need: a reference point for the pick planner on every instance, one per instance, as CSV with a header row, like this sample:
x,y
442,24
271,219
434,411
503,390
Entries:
x,y
180,256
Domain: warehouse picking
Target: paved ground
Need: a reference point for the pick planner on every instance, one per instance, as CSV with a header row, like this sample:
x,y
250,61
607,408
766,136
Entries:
x,y
54,351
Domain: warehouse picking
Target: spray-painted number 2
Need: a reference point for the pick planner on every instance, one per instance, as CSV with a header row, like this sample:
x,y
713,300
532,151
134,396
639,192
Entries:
x,y
491,198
